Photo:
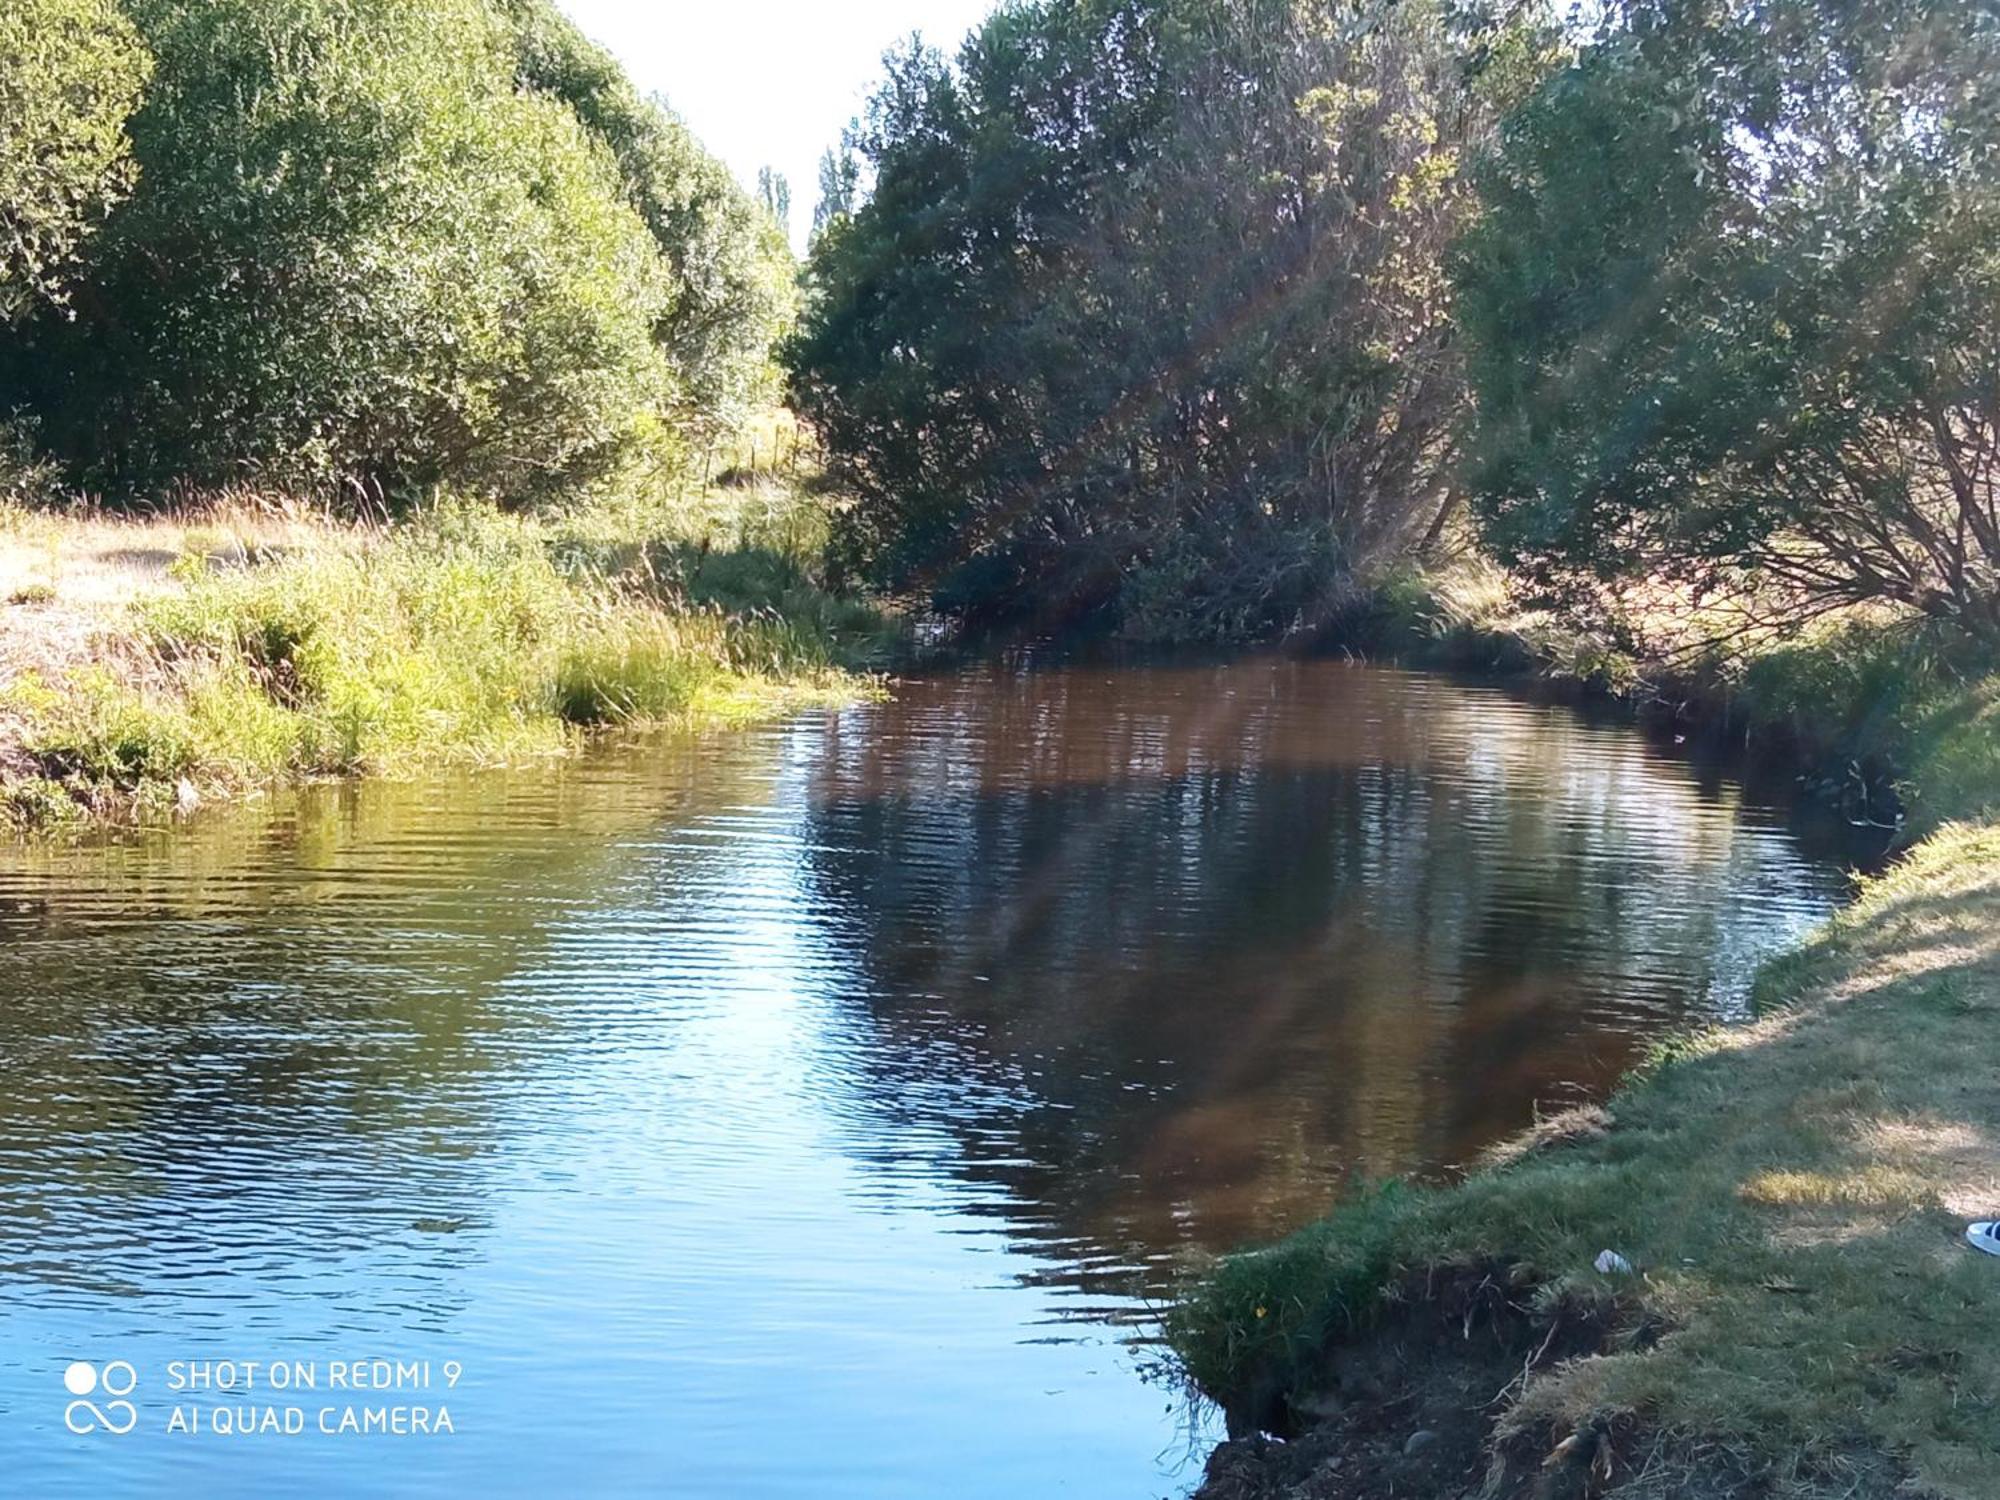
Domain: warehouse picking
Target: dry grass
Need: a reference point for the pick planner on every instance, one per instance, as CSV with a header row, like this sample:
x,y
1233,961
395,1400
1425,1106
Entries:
x,y
66,578
70,582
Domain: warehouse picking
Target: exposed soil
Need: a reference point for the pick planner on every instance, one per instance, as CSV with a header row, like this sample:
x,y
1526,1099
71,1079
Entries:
x,y
1412,1409
1408,1408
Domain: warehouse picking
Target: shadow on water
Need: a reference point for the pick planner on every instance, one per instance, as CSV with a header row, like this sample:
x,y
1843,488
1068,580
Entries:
x,y
1225,936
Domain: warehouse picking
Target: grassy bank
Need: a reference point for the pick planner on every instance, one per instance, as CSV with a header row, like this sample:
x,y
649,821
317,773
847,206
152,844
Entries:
x,y
1801,1316
1862,703
149,665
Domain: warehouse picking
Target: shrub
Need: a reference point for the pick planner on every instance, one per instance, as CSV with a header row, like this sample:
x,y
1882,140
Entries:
x,y
357,260
70,75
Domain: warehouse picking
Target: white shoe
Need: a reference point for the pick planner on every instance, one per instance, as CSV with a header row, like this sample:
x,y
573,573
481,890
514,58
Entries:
x,y
1985,1235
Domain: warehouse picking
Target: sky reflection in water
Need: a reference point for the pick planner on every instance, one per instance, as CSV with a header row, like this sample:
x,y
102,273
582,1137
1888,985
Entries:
x,y
812,1111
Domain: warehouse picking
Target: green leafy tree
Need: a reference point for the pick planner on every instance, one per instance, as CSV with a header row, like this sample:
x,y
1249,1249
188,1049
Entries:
x,y
71,72
1147,308
732,280
357,259
839,185
1733,310
775,194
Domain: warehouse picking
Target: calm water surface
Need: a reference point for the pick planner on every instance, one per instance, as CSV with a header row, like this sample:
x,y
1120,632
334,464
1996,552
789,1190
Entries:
x,y
813,1111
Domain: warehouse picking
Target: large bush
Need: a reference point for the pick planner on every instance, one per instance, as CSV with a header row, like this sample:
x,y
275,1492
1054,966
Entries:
x,y
1147,304
356,257
732,277
372,247
70,76
1734,309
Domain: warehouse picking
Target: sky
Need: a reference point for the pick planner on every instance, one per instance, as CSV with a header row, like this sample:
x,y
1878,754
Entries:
x,y
768,82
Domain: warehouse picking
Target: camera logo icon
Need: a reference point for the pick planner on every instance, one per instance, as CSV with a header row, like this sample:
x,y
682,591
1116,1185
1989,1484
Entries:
x,y
115,1381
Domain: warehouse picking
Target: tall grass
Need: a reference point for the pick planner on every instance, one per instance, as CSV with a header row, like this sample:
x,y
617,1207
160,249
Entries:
x,y
462,634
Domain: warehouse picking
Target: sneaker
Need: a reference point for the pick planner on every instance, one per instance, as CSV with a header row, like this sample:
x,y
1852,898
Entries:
x,y
1985,1235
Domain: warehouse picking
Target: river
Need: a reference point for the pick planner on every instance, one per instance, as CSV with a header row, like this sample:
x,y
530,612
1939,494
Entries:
x,y
813,1110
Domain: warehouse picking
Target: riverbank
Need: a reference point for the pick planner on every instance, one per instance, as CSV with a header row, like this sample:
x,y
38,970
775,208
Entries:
x,y
1800,1315
1894,720
150,665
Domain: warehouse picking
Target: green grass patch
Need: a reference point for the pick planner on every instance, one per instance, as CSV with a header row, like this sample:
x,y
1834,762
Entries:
x,y
1791,1192
462,634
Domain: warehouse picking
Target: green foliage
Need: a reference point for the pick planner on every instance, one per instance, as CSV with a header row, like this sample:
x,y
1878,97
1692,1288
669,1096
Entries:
x,y
1869,682
1955,758
463,634
70,76
1733,308
1148,287
774,193
1917,696
623,678
377,653
731,270
755,553
370,246
357,260
839,186
37,804
28,477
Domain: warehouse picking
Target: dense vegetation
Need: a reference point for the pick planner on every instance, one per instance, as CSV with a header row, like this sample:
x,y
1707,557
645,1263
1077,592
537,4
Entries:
x,y
1208,315
1211,313
360,247
70,74
285,647
1147,304
1213,309
731,293
1219,316
1734,309
342,261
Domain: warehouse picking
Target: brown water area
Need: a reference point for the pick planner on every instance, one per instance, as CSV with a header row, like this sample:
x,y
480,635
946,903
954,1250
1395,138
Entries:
x,y
821,1109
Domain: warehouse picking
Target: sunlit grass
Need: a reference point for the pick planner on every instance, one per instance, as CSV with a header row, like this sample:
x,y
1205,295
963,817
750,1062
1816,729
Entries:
x,y
1792,1193
462,634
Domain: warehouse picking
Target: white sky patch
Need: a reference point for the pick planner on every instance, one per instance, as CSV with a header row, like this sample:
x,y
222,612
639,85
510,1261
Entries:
x,y
768,82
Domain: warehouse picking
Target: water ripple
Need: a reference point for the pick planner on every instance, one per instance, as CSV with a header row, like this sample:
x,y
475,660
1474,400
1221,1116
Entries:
x,y
792,1112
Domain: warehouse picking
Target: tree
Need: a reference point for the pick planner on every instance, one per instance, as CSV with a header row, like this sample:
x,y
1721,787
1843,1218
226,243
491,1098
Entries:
x,y
71,72
1146,308
1733,310
775,194
357,259
732,279
839,185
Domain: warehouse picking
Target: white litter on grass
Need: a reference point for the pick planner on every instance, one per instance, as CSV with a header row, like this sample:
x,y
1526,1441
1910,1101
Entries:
x,y
1611,1263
